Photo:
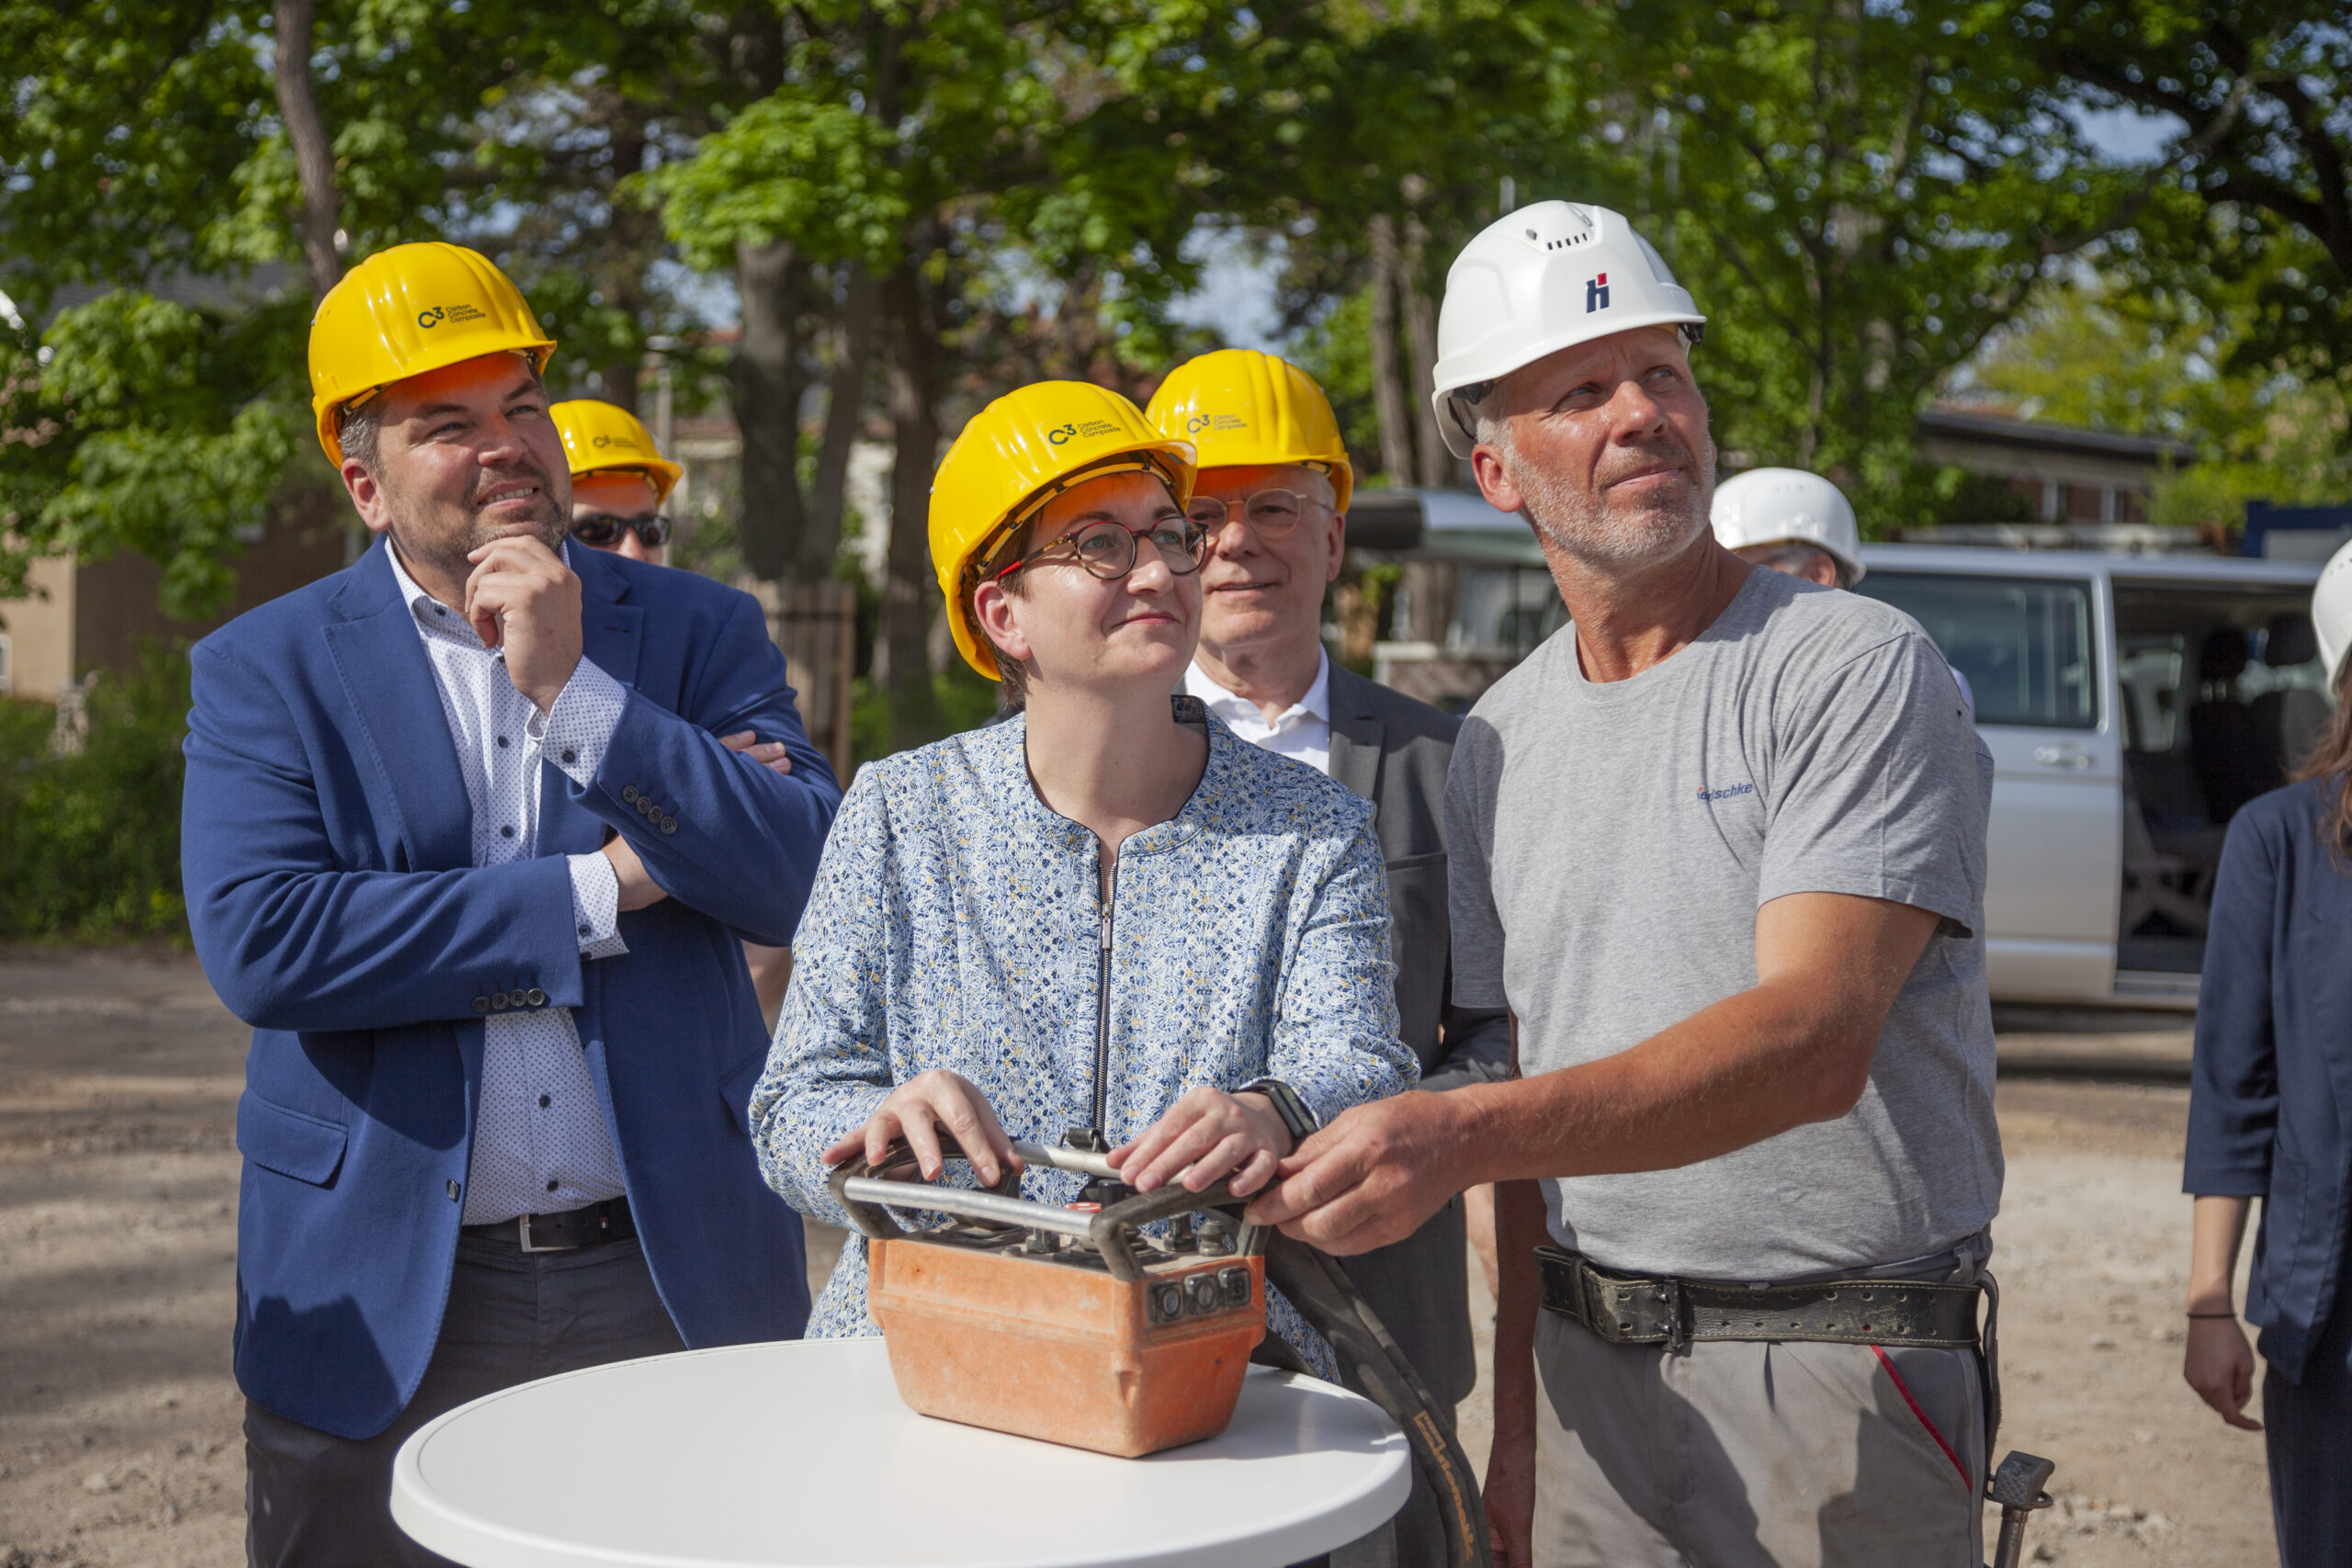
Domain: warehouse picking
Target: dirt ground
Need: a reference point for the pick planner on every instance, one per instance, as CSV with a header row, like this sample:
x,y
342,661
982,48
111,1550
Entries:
x,y
118,1423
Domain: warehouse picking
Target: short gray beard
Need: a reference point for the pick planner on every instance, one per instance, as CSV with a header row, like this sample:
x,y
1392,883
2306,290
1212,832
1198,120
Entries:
x,y
1582,526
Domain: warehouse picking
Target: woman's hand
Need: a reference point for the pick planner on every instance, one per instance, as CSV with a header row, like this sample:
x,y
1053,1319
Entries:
x,y
2219,1364
918,1111
1221,1136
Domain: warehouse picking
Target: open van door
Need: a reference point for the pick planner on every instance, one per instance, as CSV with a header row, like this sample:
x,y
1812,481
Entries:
x,y
2033,647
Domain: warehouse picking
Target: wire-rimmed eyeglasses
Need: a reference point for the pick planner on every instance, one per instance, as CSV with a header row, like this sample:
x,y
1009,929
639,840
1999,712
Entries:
x,y
1270,514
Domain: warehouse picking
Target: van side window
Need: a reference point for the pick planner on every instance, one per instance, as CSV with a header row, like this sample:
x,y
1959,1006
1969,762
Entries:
x,y
2023,642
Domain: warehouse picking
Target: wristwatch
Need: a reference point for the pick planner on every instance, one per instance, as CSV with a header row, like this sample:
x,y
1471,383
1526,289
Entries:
x,y
1287,1105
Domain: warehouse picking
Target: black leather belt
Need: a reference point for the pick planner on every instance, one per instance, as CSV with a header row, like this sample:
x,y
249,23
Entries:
x,y
1627,1309
608,1221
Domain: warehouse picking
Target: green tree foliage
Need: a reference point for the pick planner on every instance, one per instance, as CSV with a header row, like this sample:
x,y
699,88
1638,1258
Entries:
x,y
1855,195
154,427
93,846
2106,353
2260,163
144,147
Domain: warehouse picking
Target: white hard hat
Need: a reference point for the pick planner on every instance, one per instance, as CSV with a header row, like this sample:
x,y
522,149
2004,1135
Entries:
x,y
1774,506
2332,610
1550,275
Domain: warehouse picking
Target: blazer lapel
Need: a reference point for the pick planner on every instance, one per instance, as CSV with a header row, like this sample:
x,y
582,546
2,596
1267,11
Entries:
x,y
611,628
1356,735
380,659
611,632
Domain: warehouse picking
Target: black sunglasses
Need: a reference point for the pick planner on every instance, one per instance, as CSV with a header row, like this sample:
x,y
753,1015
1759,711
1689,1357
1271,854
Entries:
x,y
602,530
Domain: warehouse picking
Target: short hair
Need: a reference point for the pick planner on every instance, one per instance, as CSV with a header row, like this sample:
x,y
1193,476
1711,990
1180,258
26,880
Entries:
x,y
1787,552
1012,677
360,427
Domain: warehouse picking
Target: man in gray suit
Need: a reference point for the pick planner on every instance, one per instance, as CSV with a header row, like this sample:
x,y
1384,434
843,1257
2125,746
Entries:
x,y
1273,488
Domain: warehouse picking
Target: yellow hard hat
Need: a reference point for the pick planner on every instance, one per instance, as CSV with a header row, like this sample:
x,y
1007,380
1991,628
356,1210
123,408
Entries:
x,y
602,438
1015,454
407,311
1244,409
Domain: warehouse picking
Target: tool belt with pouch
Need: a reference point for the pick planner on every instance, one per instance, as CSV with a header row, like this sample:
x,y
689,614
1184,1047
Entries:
x,y
1631,1309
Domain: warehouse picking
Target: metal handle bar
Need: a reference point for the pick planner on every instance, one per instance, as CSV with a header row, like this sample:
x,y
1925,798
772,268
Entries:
x,y
1110,1232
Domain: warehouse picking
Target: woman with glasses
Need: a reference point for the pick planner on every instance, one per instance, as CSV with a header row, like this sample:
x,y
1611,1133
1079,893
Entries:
x,y
1104,918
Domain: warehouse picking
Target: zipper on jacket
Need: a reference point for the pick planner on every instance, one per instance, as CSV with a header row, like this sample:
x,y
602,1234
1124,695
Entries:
x,y
1103,1012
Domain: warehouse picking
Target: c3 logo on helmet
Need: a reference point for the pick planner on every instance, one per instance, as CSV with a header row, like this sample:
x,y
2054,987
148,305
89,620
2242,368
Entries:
x,y
1061,433
429,319
601,442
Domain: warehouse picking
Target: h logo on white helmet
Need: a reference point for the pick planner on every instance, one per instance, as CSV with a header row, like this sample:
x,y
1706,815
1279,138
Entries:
x,y
1549,276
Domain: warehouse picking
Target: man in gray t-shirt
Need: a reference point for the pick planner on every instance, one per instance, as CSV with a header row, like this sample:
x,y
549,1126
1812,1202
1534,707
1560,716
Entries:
x,y
1614,842
1719,847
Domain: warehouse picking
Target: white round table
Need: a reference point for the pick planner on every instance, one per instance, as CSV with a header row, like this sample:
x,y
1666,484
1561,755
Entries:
x,y
801,1454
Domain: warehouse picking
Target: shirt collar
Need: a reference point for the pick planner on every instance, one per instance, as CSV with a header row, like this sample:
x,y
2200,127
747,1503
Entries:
x,y
1316,704
431,615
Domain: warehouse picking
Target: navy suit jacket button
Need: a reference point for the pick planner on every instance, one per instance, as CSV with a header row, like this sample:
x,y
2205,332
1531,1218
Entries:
x,y
669,824
481,1004
498,1003
628,794
536,996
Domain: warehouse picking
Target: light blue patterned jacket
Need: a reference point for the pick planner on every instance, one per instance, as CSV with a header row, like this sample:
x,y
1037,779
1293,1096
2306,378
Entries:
x,y
957,923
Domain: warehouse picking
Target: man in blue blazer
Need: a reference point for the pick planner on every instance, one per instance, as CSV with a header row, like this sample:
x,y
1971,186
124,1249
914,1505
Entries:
x,y
463,845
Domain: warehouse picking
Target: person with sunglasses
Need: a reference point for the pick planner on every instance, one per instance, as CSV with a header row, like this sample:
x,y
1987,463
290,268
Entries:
x,y
1105,917
619,480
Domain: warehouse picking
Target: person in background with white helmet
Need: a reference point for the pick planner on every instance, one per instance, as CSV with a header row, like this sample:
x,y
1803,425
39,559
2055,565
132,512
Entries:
x,y
1273,497
2266,1118
1719,846
1792,522
1802,525
620,481
1106,915
479,899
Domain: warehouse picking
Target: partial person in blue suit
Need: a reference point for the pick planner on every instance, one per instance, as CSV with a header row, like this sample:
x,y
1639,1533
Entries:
x,y
2270,1117
463,845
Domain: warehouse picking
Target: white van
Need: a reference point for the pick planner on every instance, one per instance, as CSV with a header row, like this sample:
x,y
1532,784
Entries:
x,y
2132,703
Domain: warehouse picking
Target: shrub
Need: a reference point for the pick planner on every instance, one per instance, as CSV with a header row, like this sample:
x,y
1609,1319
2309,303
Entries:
x,y
91,845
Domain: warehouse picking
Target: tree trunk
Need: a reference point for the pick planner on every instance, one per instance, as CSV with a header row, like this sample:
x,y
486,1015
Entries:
x,y
1389,389
820,540
307,134
1420,337
768,381
632,238
909,593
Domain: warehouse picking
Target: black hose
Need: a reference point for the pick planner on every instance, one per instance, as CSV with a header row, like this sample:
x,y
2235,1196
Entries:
x,y
1370,1361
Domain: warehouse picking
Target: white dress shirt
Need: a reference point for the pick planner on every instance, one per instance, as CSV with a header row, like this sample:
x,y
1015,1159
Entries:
x,y
540,1143
1303,730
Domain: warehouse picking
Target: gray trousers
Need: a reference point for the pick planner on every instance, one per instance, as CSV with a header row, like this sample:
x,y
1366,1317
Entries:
x,y
313,1500
1731,1454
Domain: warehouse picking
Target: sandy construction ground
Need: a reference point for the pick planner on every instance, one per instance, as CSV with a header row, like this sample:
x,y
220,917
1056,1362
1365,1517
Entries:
x,y
118,1423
